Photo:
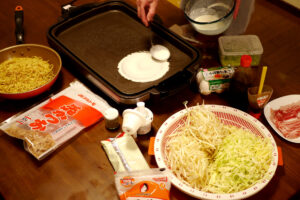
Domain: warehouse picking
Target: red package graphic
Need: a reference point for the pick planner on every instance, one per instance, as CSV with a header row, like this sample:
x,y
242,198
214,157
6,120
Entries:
x,y
51,123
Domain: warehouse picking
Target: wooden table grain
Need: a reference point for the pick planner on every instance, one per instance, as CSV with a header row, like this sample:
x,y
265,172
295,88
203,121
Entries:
x,y
80,169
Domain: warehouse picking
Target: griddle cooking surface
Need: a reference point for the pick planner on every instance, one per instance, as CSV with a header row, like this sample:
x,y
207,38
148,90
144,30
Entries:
x,y
105,35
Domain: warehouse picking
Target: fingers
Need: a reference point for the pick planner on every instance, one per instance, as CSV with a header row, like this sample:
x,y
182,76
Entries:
x,y
139,12
144,17
142,6
146,10
138,5
152,10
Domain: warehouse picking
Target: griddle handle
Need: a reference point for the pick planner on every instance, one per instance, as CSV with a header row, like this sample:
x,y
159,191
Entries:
x,y
19,31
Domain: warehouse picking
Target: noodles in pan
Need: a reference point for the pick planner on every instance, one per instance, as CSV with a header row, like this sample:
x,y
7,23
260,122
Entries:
x,y
18,75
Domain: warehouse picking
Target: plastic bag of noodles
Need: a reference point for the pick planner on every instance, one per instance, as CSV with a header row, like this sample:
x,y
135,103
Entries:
x,y
48,125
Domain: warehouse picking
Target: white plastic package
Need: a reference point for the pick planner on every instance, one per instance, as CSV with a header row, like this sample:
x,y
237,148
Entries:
x,y
216,79
151,184
124,154
48,125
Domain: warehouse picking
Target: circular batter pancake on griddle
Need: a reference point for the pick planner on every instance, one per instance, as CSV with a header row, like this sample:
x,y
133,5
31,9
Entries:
x,y
141,67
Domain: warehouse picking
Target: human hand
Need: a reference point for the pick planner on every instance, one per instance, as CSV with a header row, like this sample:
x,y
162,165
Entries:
x,y
146,10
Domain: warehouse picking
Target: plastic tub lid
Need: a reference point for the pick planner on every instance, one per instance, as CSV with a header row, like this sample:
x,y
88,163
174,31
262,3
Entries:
x,y
239,45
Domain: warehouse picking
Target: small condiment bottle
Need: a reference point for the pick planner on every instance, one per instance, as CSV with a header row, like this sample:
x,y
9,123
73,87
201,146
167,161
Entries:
x,y
243,78
111,116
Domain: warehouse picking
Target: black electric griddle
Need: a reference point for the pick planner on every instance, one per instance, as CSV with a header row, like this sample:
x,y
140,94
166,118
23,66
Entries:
x,y
97,39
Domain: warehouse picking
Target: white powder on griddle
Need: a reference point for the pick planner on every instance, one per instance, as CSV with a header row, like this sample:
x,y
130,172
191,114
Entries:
x,y
141,67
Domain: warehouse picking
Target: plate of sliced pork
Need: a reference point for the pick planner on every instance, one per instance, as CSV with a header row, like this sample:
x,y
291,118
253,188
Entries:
x,y
283,114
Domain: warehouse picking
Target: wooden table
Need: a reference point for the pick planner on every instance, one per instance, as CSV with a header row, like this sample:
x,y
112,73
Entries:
x,y
80,169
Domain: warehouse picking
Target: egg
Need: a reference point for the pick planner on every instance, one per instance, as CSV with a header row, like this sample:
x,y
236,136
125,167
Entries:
x,y
204,87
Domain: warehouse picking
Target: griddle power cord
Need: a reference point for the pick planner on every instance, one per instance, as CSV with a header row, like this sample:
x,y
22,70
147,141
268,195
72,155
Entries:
x,y
69,11
65,9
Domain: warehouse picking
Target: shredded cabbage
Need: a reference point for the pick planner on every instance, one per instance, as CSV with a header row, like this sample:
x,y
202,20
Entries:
x,y
213,157
240,162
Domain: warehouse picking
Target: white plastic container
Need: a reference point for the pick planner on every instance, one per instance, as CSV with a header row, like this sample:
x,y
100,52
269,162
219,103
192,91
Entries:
x,y
147,113
231,48
132,121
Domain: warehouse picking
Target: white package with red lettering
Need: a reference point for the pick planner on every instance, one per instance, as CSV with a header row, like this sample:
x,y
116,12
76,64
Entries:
x,y
51,123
